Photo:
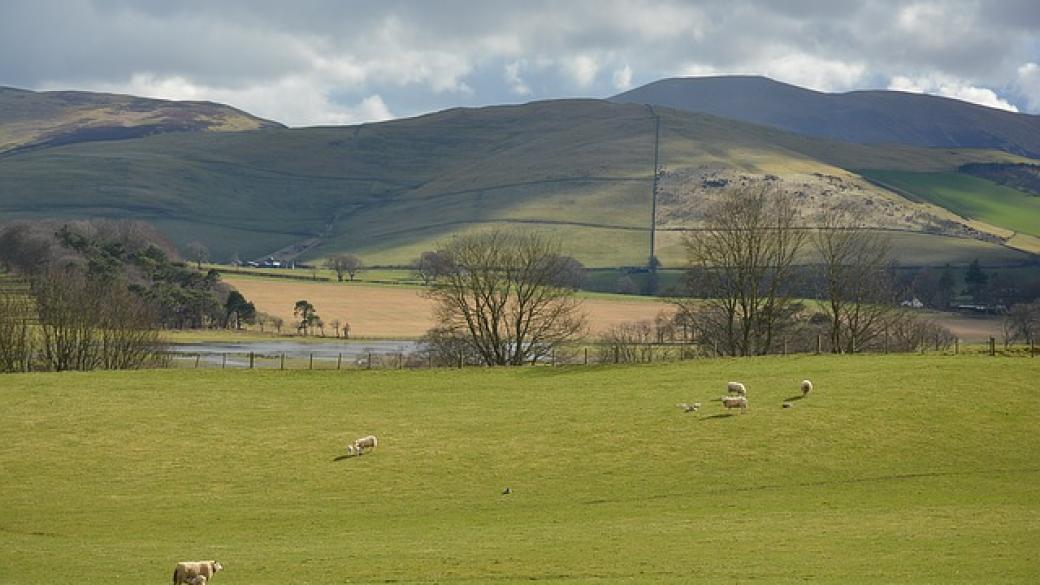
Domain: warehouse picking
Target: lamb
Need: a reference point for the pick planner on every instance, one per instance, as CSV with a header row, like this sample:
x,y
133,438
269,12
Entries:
x,y
363,443
689,407
736,388
735,402
189,572
806,387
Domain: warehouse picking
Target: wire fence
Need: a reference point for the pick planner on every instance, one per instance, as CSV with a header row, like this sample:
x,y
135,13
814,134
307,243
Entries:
x,y
581,355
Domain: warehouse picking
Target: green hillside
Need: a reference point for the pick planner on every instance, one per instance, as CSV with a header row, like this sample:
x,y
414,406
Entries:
x,y
896,469
582,169
968,196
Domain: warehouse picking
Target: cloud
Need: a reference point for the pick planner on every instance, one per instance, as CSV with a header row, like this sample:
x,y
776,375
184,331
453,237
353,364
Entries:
x,y
951,88
582,69
513,79
1027,85
293,100
623,78
316,61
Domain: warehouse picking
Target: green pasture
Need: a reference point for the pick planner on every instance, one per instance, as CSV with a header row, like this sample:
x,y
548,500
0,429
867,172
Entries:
x,y
896,469
969,197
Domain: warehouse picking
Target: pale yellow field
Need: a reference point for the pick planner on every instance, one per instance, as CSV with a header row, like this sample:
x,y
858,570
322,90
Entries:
x,y
388,311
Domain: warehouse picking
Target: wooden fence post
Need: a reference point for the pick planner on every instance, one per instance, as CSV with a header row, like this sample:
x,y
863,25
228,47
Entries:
x,y
223,362
586,356
956,346
197,356
369,367
819,344
312,361
339,361
282,366
252,358
992,346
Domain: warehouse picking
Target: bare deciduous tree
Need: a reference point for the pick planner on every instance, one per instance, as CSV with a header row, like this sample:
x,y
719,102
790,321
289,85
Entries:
x,y
86,324
627,343
17,339
855,281
741,268
428,266
197,252
344,264
509,295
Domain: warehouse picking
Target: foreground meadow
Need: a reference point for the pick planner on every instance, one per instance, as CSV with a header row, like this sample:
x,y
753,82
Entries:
x,y
896,469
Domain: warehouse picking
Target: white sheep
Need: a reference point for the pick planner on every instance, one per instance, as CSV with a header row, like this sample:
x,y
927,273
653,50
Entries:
x,y
806,387
689,407
735,402
189,571
363,443
736,388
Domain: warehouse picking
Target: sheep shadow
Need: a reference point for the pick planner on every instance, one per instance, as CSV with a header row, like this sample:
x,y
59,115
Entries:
x,y
342,457
714,416
794,398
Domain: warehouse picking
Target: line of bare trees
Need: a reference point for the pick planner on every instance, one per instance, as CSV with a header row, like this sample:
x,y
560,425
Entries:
x,y
65,321
743,280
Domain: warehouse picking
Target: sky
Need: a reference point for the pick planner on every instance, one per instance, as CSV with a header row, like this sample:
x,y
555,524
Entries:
x,y
317,62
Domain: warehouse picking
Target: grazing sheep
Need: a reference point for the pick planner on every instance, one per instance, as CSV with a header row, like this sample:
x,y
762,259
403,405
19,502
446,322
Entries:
x,y
507,491
735,402
187,571
736,388
363,443
351,451
689,407
806,387
788,405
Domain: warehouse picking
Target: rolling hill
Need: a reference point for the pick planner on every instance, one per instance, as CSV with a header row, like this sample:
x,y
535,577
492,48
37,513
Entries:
x,y
30,119
867,117
584,169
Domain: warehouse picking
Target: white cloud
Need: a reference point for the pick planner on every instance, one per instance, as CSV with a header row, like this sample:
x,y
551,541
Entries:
x,y
623,78
1027,84
814,72
582,69
294,100
514,80
951,88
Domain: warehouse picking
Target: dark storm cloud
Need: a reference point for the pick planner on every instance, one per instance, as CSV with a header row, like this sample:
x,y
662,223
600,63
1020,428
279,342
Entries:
x,y
316,61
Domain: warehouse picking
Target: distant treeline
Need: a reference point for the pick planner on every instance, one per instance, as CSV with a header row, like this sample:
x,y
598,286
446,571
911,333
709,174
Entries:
x,y
94,294
1021,176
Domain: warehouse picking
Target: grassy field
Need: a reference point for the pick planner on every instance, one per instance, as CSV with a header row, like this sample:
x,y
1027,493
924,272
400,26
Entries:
x,y
969,197
395,311
116,476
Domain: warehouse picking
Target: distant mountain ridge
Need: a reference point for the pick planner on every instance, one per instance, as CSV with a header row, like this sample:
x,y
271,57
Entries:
x,y
865,117
30,119
610,179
